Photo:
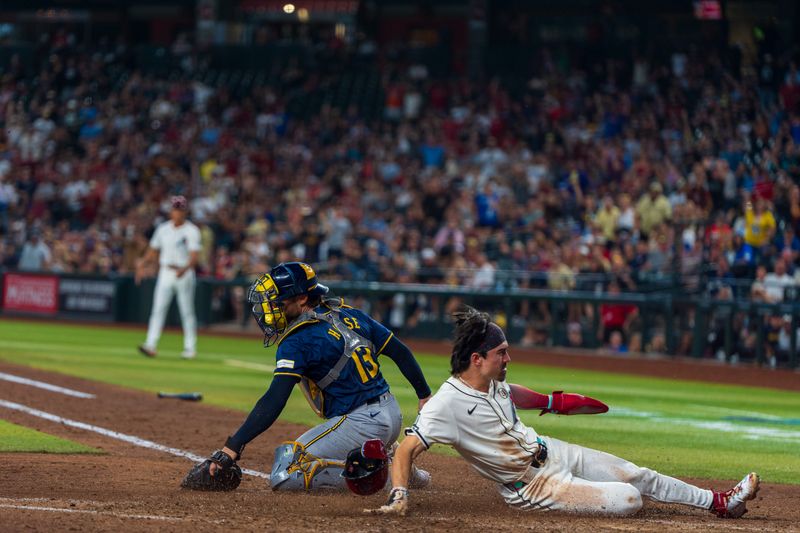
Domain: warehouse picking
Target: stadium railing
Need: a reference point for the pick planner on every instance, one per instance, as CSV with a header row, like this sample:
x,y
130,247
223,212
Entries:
x,y
688,324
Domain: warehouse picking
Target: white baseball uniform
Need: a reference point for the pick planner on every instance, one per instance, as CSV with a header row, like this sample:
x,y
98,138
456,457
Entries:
x,y
174,243
485,430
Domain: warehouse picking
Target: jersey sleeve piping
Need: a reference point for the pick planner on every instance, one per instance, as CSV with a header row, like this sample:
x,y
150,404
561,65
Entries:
x,y
385,343
287,374
414,431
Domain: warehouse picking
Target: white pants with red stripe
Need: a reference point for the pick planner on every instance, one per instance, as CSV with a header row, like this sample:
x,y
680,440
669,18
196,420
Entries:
x,y
583,480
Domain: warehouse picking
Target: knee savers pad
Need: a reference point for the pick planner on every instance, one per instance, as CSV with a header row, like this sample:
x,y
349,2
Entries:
x,y
296,469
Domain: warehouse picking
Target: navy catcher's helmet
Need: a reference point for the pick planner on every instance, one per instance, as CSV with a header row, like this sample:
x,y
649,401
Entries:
x,y
367,468
267,293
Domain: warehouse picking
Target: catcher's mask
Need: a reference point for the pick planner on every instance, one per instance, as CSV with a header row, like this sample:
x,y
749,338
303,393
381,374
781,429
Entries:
x,y
367,468
269,291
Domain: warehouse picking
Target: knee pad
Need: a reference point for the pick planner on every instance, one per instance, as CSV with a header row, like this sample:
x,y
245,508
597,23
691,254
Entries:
x,y
296,469
632,502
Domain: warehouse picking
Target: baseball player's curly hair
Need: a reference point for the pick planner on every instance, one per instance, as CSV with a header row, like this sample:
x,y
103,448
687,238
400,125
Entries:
x,y
471,328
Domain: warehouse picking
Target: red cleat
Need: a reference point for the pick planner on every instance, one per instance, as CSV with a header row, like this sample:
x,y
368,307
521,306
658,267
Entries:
x,y
147,351
733,503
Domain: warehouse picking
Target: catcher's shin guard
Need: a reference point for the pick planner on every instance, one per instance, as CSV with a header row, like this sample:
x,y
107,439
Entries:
x,y
296,469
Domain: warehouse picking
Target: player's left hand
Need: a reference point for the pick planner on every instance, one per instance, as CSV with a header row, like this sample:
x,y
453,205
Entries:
x,y
569,403
214,467
422,402
397,504
226,475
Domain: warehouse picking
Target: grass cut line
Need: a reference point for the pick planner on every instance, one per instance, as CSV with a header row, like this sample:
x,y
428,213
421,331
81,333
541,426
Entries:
x,y
46,386
115,435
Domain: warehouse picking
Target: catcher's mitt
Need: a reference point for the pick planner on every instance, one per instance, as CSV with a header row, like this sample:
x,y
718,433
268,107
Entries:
x,y
227,477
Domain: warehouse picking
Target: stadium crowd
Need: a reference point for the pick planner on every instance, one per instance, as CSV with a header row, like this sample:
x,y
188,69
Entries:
x,y
611,176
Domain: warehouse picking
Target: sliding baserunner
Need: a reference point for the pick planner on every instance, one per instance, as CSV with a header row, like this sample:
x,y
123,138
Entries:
x,y
474,411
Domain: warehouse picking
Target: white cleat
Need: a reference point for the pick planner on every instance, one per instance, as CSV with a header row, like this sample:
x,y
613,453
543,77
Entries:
x,y
188,354
733,503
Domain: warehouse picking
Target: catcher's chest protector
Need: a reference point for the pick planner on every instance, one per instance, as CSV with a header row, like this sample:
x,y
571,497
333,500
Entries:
x,y
352,342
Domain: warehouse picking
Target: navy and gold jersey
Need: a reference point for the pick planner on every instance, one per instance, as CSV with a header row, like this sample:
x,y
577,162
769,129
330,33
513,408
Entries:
x,y
311,349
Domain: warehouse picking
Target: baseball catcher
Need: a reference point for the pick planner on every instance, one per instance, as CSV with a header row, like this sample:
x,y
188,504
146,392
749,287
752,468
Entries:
x,y
475,412
332,352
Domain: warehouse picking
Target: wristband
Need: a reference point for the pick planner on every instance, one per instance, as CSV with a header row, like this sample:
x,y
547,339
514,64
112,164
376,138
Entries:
x,y
398,493
238,449
224,460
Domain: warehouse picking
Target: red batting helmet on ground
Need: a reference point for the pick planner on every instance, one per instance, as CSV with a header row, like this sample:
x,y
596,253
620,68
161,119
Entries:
x,y
367,468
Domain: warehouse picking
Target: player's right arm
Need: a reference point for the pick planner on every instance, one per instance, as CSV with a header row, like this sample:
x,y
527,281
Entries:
x,y
411,448
389,345
409,367
435,424
149,256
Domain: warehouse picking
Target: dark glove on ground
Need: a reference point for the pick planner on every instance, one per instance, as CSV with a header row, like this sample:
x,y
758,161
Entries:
x,y
227,477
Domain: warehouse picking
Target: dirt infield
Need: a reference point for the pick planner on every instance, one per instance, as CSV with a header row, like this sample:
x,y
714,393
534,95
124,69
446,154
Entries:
x,y
134,489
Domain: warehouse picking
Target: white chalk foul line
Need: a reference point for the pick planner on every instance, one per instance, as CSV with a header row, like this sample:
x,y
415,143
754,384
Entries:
x,y
45,386
248,365
90,511
115,435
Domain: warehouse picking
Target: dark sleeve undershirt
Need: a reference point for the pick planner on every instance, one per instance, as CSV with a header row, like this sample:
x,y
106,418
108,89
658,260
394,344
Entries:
x,y
265,412
404,359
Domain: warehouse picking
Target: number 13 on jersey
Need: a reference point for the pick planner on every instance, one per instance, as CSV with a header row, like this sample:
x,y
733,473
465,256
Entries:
x,y
365,364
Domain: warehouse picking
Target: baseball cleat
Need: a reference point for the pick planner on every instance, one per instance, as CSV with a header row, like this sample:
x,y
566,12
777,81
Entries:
x,y
188,354
147,351
733,503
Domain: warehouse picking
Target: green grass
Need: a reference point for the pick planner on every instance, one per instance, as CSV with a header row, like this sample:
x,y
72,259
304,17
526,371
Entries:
x,y
682,428
14,438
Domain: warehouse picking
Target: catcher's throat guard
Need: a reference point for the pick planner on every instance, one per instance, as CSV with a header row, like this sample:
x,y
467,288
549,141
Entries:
x,y
366,469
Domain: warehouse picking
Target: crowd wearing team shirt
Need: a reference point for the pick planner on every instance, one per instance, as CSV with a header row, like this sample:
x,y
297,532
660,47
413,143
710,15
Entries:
x,y
635,173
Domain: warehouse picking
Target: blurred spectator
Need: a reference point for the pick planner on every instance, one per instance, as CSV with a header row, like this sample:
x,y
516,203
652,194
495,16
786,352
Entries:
x,y
8,199
758,290
607,218
778,285
615,317
653,209
759,224
616,342
774,326
35,255
574,335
